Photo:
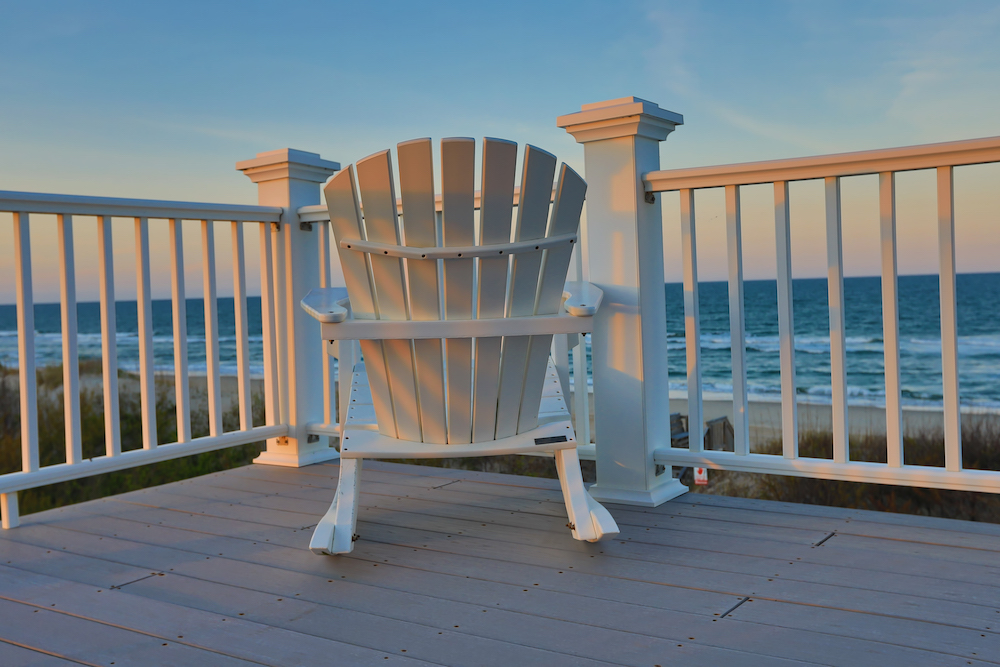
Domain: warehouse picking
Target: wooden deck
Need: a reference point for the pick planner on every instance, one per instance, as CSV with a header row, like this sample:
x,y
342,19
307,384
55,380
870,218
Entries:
x,y
460,568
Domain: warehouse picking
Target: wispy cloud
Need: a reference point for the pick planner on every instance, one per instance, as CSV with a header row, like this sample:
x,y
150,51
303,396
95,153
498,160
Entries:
x,y
671,62
948,72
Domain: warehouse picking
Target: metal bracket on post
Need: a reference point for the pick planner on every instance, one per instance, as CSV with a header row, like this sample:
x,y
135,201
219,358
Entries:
x,y
305,226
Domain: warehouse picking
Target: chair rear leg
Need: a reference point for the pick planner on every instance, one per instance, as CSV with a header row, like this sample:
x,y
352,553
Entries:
x,y
334,533
588,519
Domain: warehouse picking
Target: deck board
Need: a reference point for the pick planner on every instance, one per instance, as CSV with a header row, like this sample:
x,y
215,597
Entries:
x,y
487,553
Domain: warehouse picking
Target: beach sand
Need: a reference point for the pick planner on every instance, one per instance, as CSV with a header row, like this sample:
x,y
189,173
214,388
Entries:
x,y
765,416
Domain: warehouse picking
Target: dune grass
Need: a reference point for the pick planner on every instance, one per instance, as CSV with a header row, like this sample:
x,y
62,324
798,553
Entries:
x,y
52,447
980,451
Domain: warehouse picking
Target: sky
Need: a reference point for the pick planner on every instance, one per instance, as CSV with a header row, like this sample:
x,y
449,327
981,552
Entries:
x,y
160,100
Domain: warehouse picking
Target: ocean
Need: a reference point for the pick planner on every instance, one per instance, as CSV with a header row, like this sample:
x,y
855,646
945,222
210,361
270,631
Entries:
x,y
919,321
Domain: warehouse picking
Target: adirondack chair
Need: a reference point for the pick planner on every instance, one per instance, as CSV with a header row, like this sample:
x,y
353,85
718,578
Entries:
x,y
455,335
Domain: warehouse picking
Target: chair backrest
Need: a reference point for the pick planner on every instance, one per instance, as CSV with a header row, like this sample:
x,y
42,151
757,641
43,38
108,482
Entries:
x,y
455,390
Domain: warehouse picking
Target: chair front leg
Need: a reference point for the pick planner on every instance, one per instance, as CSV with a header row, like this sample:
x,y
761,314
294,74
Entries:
x,y
588,519
334,534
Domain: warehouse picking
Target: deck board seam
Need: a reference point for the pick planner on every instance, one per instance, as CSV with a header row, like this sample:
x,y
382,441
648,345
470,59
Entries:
x,y
53,654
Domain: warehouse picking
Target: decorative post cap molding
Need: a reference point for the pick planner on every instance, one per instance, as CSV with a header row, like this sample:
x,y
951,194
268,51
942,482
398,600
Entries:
x,y
288,163
623,117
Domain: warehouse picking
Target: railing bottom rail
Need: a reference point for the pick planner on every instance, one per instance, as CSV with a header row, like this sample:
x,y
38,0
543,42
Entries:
x,y
63,472
983,481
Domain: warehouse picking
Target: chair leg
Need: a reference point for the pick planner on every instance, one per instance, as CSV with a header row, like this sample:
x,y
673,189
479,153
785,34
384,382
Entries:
x,y
334,533
588,519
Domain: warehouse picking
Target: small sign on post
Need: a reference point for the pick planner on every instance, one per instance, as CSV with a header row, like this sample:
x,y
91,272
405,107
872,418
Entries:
x,y
701,476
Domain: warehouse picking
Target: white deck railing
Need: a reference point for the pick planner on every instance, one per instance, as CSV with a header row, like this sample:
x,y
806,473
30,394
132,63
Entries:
x,y
624,235
143,213
831,168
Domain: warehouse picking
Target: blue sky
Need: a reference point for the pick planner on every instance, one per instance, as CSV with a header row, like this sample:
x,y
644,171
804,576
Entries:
x,y
160,100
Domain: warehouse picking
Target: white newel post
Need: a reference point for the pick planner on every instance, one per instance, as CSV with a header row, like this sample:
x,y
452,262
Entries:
x,y
291,179
625,239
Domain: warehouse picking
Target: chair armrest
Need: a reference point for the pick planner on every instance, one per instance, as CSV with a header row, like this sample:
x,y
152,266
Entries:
x,y
582,299
323,304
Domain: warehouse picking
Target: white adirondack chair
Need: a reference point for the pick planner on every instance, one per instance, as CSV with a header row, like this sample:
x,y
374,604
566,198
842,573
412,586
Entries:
x,y
455,334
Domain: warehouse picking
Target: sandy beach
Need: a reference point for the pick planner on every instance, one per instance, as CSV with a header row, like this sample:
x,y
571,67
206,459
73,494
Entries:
x,y
765,416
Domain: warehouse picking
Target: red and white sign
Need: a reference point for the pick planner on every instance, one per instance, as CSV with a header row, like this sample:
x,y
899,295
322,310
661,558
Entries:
x,y
701,476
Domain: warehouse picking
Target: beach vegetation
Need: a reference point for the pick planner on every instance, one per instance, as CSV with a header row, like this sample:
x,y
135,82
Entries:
x,y
52,436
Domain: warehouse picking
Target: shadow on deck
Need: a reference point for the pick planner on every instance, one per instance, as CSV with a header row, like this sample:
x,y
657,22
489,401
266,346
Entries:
x,y
462,568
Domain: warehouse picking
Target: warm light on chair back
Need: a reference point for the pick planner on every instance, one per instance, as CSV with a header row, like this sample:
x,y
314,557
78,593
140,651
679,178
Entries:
x,y
456,390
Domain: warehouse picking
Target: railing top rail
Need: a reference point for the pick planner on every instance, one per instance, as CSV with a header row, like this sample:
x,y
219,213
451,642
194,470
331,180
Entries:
x,y
318,212
33,202
907,158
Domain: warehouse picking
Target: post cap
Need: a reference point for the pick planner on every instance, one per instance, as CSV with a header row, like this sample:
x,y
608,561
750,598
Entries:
x,y
288,163
622,117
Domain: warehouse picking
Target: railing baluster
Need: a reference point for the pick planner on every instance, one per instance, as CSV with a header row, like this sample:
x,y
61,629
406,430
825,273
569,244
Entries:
x,y
890,319
9,511
109,346
282,315
581,388
71,361
213,387
838,350
786,322
949,319
329,407
26,343
242,328
147,378
182,390
267,325
692,323
581,392
737,321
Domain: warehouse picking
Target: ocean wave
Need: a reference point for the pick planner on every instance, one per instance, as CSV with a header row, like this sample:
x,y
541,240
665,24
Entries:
x,y
968,346
824,396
